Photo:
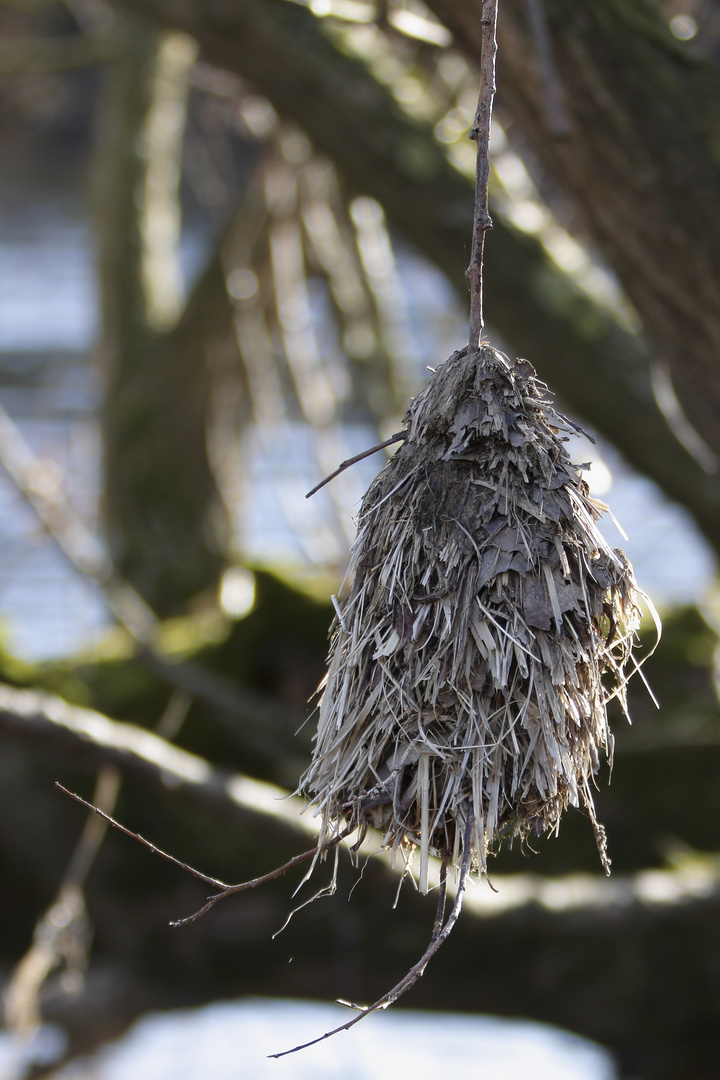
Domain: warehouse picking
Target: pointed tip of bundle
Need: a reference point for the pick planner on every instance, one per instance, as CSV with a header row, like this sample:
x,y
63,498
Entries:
x,y
487,625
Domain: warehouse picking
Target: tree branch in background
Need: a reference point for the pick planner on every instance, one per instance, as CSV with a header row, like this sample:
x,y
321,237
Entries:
x,y
39,485
62,933
270,722
56,54
639,167
90,737
557,117
601,370
86,737
164,516
592,922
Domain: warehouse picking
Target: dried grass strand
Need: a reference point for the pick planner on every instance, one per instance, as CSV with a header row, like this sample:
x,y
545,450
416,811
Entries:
x,y
441,932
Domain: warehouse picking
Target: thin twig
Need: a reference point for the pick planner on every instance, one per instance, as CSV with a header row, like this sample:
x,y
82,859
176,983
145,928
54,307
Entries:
x,y
358,457
141,839
415,973
225,889
271,876
480,133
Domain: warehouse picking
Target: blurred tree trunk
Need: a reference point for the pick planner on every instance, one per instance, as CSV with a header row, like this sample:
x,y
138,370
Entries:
x,y
163,514
639,167
600,370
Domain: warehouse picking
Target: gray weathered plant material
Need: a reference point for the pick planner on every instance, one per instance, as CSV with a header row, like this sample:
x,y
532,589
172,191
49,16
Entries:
x,y
486,627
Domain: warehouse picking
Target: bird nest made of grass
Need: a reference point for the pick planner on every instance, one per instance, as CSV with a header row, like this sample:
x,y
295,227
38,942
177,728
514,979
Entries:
x,y
486,627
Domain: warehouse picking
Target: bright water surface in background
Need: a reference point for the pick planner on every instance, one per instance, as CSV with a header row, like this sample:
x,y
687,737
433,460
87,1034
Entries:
x,y
232,1040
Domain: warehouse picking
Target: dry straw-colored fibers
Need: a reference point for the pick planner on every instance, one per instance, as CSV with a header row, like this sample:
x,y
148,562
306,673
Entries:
x,y
486,626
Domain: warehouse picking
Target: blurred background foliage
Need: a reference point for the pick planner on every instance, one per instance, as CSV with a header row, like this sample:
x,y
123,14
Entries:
x,y
235,238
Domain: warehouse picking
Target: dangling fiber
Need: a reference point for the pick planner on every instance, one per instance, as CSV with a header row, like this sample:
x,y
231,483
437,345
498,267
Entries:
x,y
486,627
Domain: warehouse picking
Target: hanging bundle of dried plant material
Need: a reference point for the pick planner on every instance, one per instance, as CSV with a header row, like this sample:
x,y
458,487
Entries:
x,y
487,625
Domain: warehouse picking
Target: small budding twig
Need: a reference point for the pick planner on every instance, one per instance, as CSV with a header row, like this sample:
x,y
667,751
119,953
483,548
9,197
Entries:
x,y
358,457
480,134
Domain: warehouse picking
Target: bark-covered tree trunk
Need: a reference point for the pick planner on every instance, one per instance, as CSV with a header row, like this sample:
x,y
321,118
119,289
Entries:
x,y
162,510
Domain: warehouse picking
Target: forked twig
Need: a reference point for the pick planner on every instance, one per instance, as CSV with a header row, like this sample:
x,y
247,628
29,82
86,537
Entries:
x,y
225,889
230,890
354,460
440,934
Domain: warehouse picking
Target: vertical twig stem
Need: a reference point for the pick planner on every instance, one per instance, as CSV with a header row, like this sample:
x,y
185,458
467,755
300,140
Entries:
x,y
480,133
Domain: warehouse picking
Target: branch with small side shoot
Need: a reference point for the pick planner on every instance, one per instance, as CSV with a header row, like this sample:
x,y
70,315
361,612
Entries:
x,y
225,890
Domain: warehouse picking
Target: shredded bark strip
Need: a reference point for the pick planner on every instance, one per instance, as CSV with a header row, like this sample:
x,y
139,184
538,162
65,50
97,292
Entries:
x,y
486,627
